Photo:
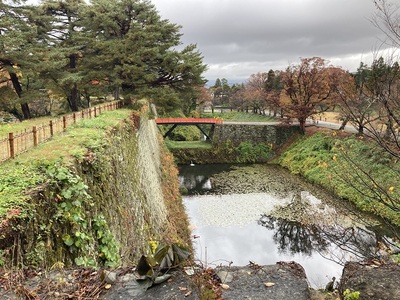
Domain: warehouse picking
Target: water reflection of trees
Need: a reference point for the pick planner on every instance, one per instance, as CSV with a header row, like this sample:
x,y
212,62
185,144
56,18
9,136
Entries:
x,y
334,242
195,183
293,237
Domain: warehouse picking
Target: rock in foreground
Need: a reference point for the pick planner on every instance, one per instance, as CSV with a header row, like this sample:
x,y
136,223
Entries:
x,y
284,280
378,282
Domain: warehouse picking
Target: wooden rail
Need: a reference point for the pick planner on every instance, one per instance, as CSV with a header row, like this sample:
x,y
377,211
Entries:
x,y
17,143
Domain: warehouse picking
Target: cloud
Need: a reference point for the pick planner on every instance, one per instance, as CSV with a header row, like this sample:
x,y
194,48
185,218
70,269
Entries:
x,y
239,38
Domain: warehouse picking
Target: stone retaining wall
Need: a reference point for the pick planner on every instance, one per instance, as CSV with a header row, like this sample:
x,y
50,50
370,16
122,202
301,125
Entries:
x,y
276,135
126,187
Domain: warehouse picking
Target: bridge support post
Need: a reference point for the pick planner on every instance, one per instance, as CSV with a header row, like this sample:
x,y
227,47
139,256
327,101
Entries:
x,y
201,129
170,130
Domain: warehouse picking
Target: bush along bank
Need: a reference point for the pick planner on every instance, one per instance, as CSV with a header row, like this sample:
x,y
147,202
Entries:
x,y
92,197
355,169
226,152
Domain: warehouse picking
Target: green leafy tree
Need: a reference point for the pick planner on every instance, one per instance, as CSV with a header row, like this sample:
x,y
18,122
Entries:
x,y
274,88
78,49
62,31
135,50
221,91
18,40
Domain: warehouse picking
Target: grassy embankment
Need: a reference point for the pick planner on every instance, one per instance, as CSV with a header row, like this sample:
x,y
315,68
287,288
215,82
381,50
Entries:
x,y
353,168
25,173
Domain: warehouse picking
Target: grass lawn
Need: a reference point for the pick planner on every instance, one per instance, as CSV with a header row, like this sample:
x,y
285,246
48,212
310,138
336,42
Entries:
x,y
18,127
238,116
188,144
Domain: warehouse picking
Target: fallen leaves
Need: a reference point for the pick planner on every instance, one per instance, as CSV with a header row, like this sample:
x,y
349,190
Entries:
x,y
269,284
84,283
224,286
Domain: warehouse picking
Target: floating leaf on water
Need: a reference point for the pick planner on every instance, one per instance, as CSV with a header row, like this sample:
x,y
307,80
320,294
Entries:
x,y
108,286
182,288
188,294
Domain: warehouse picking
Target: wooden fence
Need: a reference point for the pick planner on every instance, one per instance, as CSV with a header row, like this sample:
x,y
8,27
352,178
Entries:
x,y
17,143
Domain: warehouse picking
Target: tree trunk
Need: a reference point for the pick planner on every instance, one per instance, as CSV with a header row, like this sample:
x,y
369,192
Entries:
x,y
26,111
116,93
18,89
73,92
302,124
73,98
344,123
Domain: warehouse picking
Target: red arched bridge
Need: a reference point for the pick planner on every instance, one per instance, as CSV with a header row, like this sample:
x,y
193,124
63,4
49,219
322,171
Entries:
x,y
188,122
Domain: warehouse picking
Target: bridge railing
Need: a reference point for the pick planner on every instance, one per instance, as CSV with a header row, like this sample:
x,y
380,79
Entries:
x,y
188,121
20,142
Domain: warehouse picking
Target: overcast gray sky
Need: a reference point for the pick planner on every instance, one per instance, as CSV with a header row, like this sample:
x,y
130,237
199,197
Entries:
x,y
241,37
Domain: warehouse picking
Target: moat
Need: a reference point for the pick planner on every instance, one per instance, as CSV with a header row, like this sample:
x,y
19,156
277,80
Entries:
x,y
263,214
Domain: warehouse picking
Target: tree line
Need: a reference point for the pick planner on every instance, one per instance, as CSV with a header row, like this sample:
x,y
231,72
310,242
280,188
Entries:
x,y
74,50
367,98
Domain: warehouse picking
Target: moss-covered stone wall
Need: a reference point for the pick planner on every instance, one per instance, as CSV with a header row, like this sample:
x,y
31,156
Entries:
x,y
125,182
102,204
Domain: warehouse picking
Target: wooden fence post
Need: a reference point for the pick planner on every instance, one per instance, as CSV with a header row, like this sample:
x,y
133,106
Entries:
x,y
64,122
83,114
34,131
11,142
95,111
51,127
74,117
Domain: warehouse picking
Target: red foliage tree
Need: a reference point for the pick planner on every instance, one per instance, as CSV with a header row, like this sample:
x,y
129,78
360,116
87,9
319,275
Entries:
x,y
308,89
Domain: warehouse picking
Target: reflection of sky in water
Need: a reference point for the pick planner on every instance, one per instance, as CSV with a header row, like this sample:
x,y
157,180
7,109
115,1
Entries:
x,y
228,231
255,243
